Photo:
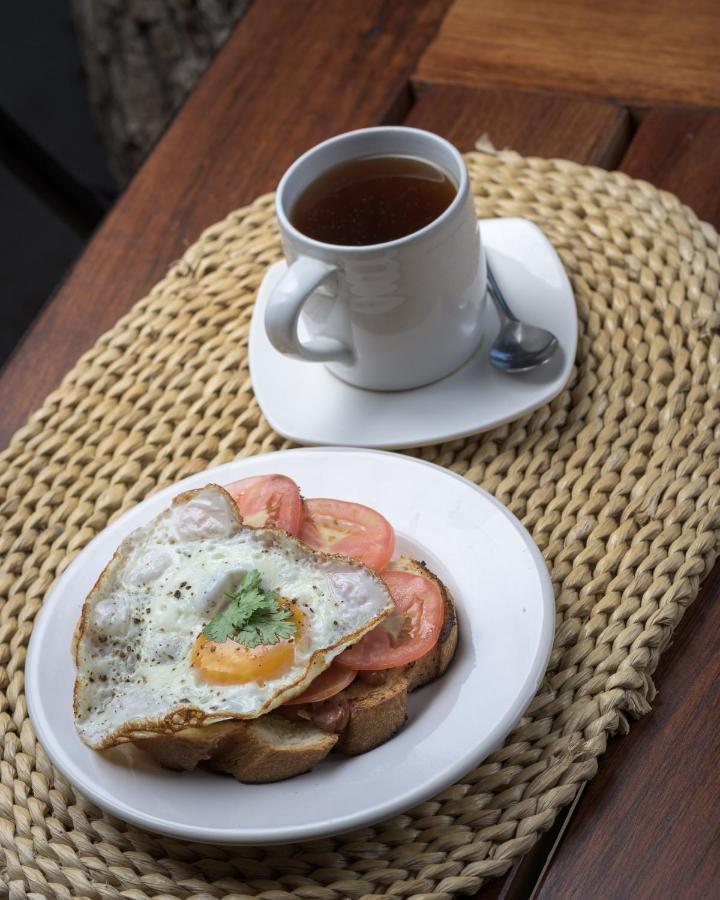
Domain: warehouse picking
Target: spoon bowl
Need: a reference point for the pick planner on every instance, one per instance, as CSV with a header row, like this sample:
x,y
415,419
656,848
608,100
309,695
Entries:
x,y
519,346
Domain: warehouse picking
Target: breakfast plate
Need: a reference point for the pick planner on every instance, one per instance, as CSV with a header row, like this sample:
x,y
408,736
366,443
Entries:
x,y
304,402
506,612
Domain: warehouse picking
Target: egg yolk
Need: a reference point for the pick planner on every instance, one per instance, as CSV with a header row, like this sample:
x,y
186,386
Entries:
x,y
232,663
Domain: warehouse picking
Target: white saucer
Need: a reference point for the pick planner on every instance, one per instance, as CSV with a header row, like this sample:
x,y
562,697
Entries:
x,y
302,401
506,615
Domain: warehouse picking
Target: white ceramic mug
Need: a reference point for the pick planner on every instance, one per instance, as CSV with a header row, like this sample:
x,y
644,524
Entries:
x,y
383,316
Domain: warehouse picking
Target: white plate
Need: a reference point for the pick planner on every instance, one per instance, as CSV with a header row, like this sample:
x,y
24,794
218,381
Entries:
x,y
304,402
506,616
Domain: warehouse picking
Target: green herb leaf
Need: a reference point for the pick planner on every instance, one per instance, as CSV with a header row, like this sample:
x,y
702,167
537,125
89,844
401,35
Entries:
x,y
253,616
267,628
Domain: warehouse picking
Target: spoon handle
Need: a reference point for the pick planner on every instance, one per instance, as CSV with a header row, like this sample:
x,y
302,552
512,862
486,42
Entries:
x,y
500,301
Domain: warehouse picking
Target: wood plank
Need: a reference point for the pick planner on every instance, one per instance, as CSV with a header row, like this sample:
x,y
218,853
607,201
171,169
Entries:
x,y
290,75
647,825
630,50
586,131
679,150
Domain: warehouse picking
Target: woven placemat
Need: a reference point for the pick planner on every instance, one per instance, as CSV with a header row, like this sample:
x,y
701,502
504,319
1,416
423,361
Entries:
x,y
617,479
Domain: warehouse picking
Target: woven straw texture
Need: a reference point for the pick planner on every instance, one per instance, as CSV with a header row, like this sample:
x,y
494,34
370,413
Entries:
x,y
617,479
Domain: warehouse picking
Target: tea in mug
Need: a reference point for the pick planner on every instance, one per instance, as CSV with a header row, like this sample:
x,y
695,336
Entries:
x,y
372,200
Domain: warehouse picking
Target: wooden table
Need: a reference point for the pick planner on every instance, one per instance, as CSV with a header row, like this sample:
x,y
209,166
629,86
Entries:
x,y
625,84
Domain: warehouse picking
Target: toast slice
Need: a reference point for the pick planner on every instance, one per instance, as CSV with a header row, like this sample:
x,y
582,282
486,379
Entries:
x,y
435,661
273,747
376,713
186,749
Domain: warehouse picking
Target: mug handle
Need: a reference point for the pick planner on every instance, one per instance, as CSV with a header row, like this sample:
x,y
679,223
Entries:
x,y
283,312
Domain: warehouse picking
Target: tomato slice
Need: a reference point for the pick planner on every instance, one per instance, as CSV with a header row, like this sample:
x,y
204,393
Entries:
x,y
269,501
349,529
408,634
326,685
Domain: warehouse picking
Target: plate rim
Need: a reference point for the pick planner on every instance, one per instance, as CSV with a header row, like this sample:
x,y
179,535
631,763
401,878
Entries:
x,y
325,828
430,437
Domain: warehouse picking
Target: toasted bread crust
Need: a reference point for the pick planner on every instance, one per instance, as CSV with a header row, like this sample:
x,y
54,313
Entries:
x,y
184,750
376,713
436,661
273,748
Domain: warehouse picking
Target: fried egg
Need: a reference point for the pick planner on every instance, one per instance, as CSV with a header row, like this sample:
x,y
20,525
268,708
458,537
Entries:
x,y
144,665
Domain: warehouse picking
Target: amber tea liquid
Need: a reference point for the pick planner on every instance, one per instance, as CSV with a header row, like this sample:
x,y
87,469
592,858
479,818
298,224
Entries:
x,y
372,200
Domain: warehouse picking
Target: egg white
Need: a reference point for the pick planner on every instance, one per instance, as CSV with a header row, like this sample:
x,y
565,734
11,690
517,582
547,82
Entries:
x,y
135,637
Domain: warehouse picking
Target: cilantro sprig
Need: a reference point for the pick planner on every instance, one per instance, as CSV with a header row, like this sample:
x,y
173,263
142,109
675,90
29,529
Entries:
x,y
253,616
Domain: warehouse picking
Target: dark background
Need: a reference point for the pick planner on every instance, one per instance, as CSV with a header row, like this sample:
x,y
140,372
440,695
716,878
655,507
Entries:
x,y
86,89
55,183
